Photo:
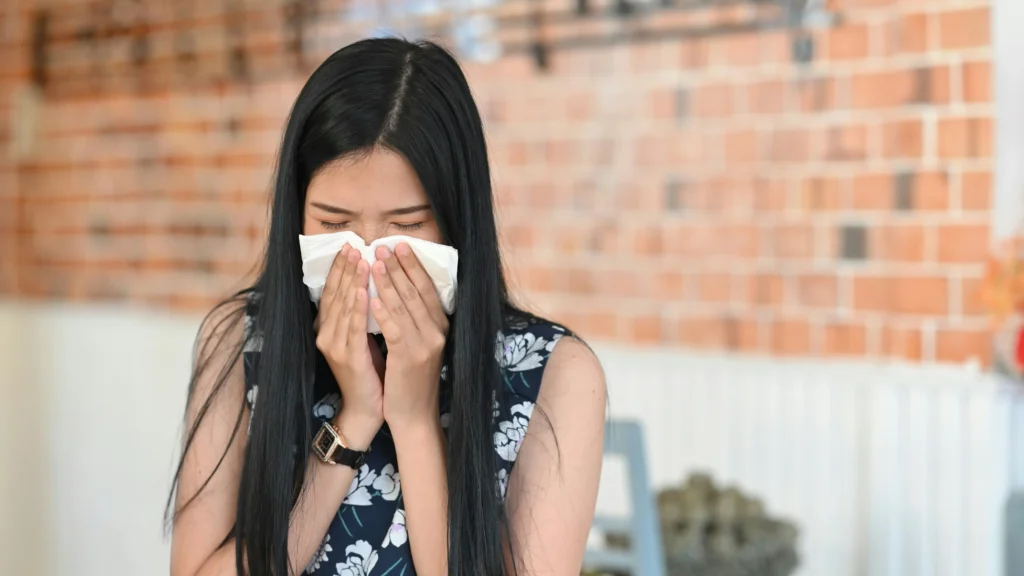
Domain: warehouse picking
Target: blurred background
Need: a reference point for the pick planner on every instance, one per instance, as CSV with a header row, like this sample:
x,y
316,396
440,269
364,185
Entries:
x,y
787,226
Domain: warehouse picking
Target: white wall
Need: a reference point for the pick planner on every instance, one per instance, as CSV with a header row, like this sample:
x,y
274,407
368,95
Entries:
x,y
92,397
23,455
97,396
887,469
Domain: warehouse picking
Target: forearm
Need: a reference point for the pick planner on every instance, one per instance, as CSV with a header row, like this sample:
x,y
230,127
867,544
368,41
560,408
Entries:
x,y
421,460
325,488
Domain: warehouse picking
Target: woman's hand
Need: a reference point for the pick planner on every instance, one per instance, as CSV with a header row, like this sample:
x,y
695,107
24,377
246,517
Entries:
x,y
415,327
354,358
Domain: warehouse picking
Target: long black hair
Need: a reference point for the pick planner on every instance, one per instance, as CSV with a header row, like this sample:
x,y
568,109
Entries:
x,y
411,98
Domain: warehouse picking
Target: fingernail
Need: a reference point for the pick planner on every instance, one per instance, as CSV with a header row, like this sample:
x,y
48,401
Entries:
x,y
353,255
375,303
383,253
402,249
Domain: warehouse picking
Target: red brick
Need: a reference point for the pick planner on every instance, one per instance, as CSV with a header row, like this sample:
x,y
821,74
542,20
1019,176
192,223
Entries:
x,y
703,332
580,106
847,143
747,336
661,103
581,281
977,81
646,329
791,337
539,278
895,88
972,296
770,194
789,241
821,195
648,241
848,42
845,339
976,191
742,147
967,28
622,282
903,343
767,97
603,324
925,295
560,153
714,287
903,139
907,33
920,295
739,240
872,192
963,243
693,53
814,94
788,145
965,138
714,100
931,191
669,285
962,345
776,47
766,289
742,50
817,290
898,242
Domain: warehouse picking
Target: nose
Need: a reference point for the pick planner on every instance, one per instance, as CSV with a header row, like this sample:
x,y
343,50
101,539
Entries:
x,y
369,231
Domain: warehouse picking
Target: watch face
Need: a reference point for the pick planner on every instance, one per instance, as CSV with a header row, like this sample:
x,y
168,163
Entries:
x,y
323,442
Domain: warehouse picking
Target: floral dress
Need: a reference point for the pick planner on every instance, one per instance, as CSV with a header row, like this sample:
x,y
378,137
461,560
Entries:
x,y
367,536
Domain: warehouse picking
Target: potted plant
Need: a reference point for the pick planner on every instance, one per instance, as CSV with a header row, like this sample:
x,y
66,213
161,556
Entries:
x,y
1003,295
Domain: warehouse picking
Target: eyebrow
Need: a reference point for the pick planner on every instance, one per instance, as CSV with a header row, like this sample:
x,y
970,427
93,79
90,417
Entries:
x,y
396,212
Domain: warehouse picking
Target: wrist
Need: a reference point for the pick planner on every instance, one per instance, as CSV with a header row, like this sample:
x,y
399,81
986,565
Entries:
x,y
416,427
357,429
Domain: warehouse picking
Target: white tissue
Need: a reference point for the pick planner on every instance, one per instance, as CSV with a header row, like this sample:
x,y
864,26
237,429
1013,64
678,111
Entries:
x,y
318,252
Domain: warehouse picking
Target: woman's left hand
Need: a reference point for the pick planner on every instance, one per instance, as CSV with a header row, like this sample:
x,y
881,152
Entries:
x,y
415,328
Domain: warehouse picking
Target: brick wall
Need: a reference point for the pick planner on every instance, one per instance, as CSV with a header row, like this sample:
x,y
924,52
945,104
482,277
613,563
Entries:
x,y
757,191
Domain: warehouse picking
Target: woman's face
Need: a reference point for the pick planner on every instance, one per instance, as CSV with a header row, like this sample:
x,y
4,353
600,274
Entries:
x,y
374,195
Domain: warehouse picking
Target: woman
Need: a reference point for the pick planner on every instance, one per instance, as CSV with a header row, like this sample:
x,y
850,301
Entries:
x,y
385,139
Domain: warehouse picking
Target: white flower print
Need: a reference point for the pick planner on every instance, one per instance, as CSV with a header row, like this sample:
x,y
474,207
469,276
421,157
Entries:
x,y
519,352
444,372
397,536
360,558
495,407
388,483
327,406
502,483
358,492
250,396
511,433
252,337
551,345
320,555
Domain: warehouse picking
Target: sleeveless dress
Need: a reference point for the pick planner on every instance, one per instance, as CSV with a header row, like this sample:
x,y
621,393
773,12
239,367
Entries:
x,y
368,536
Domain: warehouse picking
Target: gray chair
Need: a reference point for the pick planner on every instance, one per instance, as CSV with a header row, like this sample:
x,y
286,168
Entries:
x,y
645,557
1015,534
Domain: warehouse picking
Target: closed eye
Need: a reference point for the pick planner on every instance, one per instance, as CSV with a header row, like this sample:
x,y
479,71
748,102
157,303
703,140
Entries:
x,y
408,227
334,225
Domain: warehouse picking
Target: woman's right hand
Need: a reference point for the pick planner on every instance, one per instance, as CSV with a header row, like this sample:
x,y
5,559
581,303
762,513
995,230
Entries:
x,y
353,356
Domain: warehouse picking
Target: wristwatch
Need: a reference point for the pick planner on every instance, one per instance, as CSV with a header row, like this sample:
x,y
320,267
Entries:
x,y
330,447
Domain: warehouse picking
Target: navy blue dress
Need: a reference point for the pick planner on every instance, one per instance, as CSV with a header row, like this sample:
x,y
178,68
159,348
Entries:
x,y
367,536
